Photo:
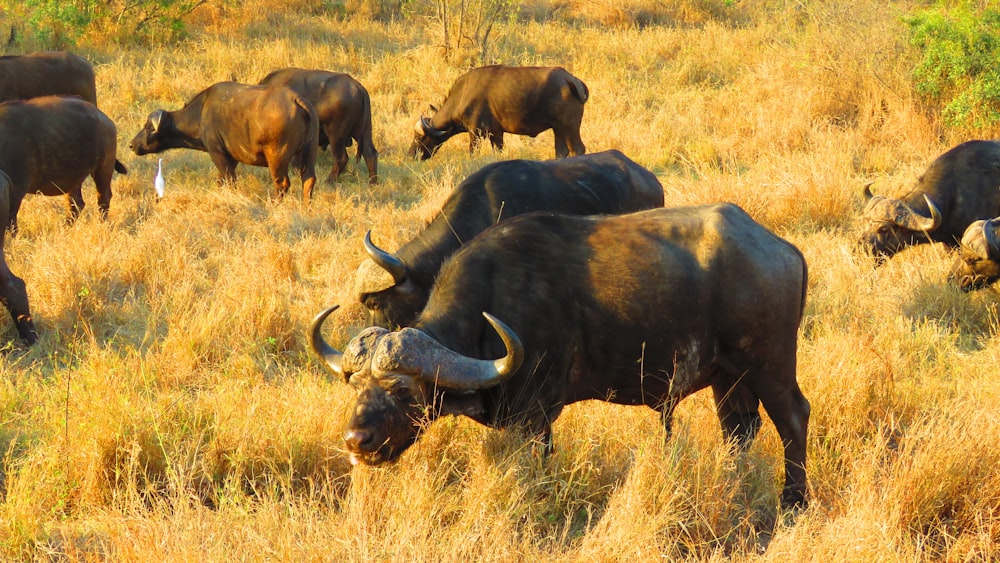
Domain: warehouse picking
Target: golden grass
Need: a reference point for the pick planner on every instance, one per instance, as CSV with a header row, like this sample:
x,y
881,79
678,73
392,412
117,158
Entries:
x,y
172,412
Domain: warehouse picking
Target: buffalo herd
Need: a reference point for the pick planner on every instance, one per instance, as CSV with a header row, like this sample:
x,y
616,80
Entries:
x,y
538,283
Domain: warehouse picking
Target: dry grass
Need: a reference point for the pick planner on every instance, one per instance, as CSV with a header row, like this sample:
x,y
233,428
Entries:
x,y
171,412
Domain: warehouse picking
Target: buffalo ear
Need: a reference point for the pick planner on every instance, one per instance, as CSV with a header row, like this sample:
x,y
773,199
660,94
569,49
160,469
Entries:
x,y
468,404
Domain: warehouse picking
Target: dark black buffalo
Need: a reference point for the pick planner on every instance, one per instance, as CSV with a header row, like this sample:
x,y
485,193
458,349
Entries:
x,y
638,309
46,73
12,290
344,110
488,101
50,145
257,125
978,264
960,186
395,287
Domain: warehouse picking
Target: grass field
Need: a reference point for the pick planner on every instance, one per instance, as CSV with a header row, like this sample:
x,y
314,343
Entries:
x,y
171,410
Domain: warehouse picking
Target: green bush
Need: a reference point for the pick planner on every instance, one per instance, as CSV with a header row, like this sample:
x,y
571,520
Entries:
x,y
959,68
59,24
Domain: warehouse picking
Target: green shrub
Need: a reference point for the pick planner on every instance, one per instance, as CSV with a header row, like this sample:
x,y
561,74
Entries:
x,y
57,24
961,47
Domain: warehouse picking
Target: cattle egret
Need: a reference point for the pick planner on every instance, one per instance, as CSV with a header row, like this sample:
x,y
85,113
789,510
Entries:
x,y
158,182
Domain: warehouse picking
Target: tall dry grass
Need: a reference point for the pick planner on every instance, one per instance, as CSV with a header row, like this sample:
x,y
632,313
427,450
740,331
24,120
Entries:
x,y
171,411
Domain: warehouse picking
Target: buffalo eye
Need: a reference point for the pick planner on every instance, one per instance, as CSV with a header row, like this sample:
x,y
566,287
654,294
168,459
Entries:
x,y
401,393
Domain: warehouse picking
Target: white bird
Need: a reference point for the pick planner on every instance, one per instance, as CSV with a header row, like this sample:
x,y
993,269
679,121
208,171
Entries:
x,y
158,182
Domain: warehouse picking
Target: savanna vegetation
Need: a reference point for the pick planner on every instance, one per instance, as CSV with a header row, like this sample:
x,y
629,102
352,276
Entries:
x,y
171,410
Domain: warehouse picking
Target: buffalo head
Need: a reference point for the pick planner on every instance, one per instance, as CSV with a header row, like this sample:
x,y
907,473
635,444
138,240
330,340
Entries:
x,y
385,287
978,264
405,379
149,138
426,139
890,225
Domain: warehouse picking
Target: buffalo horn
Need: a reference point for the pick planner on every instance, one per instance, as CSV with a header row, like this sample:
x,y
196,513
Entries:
x,y
415,352
918,222
386,261
331,357
867,193
428,129
992,242
155,118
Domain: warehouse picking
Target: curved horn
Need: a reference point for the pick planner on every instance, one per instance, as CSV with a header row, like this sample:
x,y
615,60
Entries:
x,y
386,261
155,118
331,358
917,222
992,241
430,130
414,351
867,193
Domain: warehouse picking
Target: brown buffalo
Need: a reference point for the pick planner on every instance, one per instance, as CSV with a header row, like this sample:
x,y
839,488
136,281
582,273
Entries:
x,y
978,264
344,110
637,309
257,125
492,100
47,73
959,187
50,145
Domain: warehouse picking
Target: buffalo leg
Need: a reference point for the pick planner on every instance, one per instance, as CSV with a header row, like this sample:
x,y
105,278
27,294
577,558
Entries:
x,y
496,138
789,410
226,166
737,407
367,148
562,149
339,153
576,147
102,181
75,204
14,296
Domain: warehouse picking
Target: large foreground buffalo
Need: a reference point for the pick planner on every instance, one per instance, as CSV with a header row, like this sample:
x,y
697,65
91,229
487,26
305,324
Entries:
x,y
257,125
344,110
50,145
492,100
545,310
960,186
46,73
978,263
395,287
12,290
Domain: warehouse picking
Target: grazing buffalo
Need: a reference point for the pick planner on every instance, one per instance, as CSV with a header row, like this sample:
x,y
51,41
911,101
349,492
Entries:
x,y
395,287
978,264
257,125
50,145
12,290
488,101
46,73
344,110
545,310
960,186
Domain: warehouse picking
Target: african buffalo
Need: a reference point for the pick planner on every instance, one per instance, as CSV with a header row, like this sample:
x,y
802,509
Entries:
x,y
959,187
978,264
12,290
488,101
638,309
344,110
257,125
50,145
395,287
46,73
